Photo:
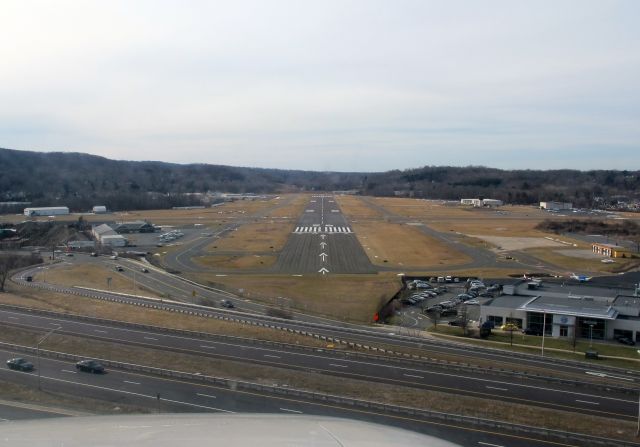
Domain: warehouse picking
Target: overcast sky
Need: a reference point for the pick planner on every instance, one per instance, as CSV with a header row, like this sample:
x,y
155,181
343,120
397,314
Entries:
x,y
326,85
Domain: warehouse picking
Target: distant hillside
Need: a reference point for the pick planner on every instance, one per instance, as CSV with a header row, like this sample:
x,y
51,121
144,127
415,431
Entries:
x,y
81,181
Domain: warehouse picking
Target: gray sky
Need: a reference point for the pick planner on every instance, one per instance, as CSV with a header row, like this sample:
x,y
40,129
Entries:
x,y
326,85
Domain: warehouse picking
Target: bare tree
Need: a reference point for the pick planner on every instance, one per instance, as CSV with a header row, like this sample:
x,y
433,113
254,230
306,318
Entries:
x,y
7,263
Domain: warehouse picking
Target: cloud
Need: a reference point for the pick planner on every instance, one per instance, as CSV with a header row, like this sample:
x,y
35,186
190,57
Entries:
x,y
344,85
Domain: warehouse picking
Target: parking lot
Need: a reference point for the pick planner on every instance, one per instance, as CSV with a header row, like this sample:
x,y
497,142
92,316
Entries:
x,y
428,300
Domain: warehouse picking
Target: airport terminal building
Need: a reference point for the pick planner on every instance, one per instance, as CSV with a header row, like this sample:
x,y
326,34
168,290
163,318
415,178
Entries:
x,y
559,310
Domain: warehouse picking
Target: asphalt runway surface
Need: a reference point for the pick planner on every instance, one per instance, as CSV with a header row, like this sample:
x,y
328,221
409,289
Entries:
x,y
585,399
179,395
323,242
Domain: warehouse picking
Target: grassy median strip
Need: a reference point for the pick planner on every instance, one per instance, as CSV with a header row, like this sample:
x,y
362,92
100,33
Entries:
x,y
316,382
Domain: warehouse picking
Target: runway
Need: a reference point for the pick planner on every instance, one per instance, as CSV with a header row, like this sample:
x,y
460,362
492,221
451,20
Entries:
x,y
323,242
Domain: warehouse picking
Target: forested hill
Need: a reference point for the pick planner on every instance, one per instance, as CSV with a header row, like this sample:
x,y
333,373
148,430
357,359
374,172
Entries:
x,y
81,181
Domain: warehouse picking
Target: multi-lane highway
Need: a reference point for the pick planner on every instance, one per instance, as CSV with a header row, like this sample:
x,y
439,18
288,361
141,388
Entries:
x,y
181,395
584,398
323,242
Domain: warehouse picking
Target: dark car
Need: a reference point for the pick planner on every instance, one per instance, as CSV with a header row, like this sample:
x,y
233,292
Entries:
x,y
145,270
532,331
626,341
455,323
20,364
29,278
119,269
90,366
226,303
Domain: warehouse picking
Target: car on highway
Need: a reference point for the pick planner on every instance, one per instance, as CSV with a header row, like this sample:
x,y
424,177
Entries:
x,y
119,268
20,364
94,254
228,304
90,366
144,270
68,254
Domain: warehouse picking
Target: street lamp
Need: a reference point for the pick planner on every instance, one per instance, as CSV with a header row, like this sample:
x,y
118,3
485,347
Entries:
x,y
47,335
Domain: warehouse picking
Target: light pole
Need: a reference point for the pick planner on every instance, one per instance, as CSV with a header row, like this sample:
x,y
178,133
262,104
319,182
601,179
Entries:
x,y
47,335
638,430
544,329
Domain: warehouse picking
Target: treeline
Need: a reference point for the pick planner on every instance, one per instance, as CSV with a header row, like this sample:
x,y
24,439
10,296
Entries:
x,y
591,226
80,181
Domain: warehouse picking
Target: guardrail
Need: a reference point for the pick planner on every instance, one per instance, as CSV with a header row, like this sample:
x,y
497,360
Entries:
x,y
312,397
279,324
399,358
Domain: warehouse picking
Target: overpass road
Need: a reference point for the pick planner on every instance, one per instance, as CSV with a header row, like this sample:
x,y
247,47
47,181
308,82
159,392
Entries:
x,y
180,395
486,384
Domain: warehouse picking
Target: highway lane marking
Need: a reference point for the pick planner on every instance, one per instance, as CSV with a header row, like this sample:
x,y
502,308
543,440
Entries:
x,y
291,411
206,395
69,371
98,330
496,388
208,347
13,318
587,402
599,374
339,366
489,444
412,375
151,338
155,397
272,356
132,383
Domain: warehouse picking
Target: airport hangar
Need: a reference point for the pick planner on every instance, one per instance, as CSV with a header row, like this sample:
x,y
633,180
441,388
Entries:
x,y
599,313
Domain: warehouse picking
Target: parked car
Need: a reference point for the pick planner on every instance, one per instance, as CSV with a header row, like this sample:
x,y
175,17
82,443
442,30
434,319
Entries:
x,y
472,302
119,269
494,288
94,254
448,278
20,364
90,366
448,311
435,308
145,270
29,278
228,304
455,323
509,327
486,295
532,331
465,296
626,341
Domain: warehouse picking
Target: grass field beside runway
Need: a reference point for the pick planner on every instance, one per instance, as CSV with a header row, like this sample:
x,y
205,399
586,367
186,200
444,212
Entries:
x,y
245,261
354,298
405,245
355,208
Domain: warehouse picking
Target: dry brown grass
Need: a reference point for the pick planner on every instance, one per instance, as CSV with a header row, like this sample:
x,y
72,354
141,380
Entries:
x,y
269,235
346,297
240,262
571,263
356,208
399,244
479,405
40,299
293,209
92,275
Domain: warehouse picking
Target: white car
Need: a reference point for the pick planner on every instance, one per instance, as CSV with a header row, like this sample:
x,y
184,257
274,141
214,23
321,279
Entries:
x,y
607,261
472,302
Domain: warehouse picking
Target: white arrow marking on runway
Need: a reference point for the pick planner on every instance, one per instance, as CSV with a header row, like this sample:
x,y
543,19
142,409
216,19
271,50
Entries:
x,y
323,256
323,271
322,236
323,244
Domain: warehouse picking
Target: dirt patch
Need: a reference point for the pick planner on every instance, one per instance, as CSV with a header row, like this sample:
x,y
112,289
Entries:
x,y
518,243
223,262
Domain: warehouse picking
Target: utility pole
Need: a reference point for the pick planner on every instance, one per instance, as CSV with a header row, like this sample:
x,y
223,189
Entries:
x,y
47,335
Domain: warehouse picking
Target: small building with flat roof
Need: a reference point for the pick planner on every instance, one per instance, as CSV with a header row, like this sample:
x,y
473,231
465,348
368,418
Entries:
x,y
611,250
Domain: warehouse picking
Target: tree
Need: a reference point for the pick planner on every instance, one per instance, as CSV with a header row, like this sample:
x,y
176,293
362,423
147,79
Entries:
x,y
7,263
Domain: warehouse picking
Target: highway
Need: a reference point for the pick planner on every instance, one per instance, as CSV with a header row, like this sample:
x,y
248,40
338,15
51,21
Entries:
x,y
584,399
180,395
373,336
